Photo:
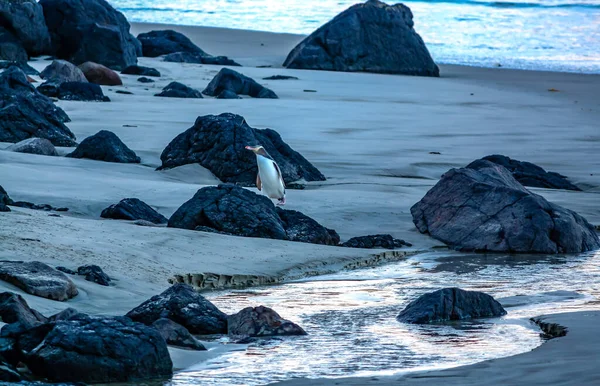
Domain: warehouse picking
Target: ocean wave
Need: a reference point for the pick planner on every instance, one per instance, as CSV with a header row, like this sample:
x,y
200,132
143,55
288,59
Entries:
x,y
510,4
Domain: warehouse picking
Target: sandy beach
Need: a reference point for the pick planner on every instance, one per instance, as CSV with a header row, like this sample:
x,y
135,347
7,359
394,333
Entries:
x,y
375,137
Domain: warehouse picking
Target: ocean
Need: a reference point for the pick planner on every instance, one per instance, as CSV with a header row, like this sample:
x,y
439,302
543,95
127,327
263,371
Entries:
x,y
553,35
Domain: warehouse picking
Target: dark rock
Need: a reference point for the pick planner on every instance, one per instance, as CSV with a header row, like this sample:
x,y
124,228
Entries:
x,y
375,241
181,304
124,92
260,321
14,309
90,30
96,350
66,270
529,174
66,314
369,37
280,77
39,146
25,18
300,227
179,90
10,47
94,274
74,91
228,79
62,71
133,209
177,335
99,74
105,146
233,210
198,58
4,200
26,68
9,374
483,208
38,279
217,142
25,113
140,70
31,205
143,79
4,208
157,43
450,304
228,94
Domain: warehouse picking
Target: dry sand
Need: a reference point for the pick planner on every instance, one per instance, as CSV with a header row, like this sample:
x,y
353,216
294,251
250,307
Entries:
x,y
371,135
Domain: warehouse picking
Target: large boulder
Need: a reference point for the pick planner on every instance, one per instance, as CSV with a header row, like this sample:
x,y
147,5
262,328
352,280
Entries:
x,y
95,350
25,18
177,335
39,146
230,80
181,304
74,91
450,304
140,70
14,309
259,322
532,175
179,90
199,58
105,146
217,142
99,74
162,42
368,37
483,208
38,279
90,30
133,209
26,113
10,47
62,71
233,210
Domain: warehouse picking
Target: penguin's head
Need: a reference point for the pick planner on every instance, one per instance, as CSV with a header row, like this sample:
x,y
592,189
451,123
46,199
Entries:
x,y
258,150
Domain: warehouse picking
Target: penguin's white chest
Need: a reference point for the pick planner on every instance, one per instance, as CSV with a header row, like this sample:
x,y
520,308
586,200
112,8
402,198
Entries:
x,y
272,185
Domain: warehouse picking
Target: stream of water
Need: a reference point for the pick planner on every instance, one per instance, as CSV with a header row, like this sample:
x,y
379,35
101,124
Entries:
x,y
351,325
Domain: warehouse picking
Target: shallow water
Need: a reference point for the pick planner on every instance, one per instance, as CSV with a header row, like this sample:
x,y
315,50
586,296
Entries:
x,y
557,35
352,331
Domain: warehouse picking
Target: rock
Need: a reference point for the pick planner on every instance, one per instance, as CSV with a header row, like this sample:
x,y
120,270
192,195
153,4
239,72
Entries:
x,y
368,37
38,279
300,227
237,211
4,200
124,92
90,30
375,241
228,94
99,74
39,146
25,18
228,79
529,174
217,142
95,350
94,274
143,79
9,373
74,91
62,71
66,270
181,304
105,146
198,58
26,68
14,309
177,335
25,113
280,77
133,209
179,90
140,70
157,43
450,304
10,47
483,208
261,321
31,205
66,314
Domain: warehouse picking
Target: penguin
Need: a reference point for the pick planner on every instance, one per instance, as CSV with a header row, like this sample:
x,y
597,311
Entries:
x,y
269,179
